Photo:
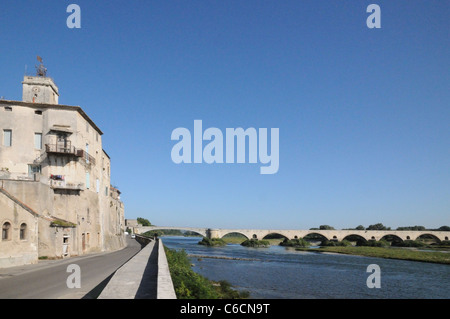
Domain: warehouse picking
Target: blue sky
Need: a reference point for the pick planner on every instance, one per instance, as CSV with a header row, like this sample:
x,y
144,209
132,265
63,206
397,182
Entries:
x,y
363,113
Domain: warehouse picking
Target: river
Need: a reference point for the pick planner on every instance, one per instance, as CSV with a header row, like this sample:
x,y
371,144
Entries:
x,y
283,273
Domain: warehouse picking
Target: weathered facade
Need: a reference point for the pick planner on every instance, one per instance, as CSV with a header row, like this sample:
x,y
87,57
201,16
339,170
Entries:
x,y
57,177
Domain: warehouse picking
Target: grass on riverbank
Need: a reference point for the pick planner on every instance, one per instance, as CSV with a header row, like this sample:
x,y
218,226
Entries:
x,y
382,252
190,285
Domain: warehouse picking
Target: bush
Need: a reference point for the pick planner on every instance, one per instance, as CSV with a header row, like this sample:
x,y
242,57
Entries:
x,y
373,243
335,243
187,283
256,243
409,243
298,242
212,242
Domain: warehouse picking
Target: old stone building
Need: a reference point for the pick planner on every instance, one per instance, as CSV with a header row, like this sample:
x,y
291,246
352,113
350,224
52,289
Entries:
x,y
56,198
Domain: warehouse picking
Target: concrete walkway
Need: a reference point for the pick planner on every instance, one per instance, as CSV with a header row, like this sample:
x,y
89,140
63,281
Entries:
x,y
137,279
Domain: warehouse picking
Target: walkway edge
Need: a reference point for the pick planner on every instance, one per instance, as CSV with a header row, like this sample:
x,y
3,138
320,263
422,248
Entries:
x,y
165,284
126,280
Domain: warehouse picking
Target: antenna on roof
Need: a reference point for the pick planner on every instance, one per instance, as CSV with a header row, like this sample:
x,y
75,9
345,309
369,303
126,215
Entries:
x,y
40,69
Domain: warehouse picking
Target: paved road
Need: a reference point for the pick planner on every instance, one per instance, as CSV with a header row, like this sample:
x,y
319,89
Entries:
x,y
48,279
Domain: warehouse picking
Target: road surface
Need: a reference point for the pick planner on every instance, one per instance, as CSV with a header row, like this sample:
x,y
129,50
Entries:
x,y
48,279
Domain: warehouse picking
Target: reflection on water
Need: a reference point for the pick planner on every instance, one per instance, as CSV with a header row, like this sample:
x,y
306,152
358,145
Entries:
x,y
283,273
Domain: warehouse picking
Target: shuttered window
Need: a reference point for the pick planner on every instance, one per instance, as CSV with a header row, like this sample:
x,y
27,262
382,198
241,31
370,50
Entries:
x,y
7,137
38,140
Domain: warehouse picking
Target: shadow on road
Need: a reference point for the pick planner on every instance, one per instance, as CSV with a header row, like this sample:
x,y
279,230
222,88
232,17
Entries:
x,y
94,293
97,290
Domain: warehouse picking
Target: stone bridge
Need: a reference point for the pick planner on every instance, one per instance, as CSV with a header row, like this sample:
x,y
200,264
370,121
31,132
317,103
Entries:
x,y
292,234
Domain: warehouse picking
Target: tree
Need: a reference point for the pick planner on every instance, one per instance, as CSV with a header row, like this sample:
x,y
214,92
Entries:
x,y
143,221
325,227
444,228
378,226
360,227
411,228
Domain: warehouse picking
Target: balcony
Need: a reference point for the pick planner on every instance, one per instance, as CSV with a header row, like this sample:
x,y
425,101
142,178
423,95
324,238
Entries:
x,y
66,149
61,149
86,156
62,184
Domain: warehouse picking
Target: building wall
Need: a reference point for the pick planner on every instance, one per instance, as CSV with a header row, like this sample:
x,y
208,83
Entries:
x,y
52,240
39,90
14,250
73,186
23,123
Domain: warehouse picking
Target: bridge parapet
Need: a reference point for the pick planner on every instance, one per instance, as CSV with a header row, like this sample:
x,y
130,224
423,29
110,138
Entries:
x,y
143,229
338,234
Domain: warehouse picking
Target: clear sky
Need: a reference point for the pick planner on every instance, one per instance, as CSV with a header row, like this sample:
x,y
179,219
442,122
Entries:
x,y
363,114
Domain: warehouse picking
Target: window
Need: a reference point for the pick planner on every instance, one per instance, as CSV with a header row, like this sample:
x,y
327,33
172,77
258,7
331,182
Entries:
x,y
98,185
88,182
7,137
23,231
8,108
38,140
38,112
87,153
6,231
34,169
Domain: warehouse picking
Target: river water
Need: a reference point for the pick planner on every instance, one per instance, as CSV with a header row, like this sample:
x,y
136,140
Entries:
x,y
283,273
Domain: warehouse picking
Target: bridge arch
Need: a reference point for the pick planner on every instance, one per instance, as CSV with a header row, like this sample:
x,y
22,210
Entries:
x,y
315,236
275,233
392,238
355,238
235,232
419,237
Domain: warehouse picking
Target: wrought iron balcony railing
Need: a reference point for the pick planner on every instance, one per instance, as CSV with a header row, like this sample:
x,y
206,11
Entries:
x,y
67,149
61,149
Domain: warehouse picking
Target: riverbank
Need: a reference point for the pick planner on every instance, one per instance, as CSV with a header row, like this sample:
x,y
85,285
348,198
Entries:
x,y
389,252
190,285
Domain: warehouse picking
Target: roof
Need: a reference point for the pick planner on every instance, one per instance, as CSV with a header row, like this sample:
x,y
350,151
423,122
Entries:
x,y
106,154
